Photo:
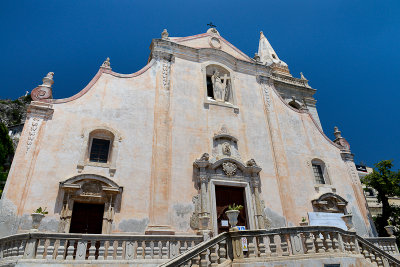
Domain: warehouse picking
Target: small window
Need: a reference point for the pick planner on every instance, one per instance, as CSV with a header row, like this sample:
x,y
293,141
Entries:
x,y
210,89
294,104
99,150
318,174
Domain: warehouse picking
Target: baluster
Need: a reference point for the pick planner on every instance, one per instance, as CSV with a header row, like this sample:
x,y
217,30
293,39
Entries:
x,y
4,249
70,249
319,244
110,250
352,243
251,247
120,249
50,249
284,245
92,249
60,249
328,242
272,245
15,246
379,260
156,250
196,261
204,259
40,248
21,248
309,243
335,242
147,250
140,250
261,246
214,256
102,250
372,255
222,251
365,253
182,247
164,249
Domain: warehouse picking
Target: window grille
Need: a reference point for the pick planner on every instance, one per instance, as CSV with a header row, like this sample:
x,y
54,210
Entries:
x,y
319,176
99,150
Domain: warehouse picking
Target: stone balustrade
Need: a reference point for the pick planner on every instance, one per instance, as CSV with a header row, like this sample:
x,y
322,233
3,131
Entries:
x,y
262,245
223,250
387,244
90,247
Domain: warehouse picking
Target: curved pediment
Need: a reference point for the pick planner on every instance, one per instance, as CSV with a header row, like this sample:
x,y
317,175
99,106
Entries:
x,y
330,202
91,182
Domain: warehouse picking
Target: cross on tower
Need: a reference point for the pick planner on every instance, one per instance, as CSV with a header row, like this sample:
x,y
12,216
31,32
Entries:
x,y
211,25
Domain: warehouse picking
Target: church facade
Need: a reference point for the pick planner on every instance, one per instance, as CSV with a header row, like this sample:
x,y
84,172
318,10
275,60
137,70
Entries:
x,y
168,149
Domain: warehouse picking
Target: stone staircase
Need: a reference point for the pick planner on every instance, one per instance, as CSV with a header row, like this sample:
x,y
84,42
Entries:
x,y
294,246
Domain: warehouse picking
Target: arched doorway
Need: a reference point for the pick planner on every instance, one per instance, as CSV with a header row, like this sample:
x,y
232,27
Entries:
x,y
89,204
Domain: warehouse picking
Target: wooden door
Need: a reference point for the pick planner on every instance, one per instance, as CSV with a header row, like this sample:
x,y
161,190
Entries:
x,y
225,196
87,218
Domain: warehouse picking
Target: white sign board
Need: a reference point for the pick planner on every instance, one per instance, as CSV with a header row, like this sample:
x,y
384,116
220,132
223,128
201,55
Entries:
x,y
244,239
327,219
224,223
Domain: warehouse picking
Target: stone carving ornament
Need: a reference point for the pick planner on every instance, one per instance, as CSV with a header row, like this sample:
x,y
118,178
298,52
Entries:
x,y
229,168
44,91
194,219
226,149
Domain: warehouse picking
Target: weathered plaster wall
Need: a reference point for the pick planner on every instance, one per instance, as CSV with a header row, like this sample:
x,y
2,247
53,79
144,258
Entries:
x,y
282,141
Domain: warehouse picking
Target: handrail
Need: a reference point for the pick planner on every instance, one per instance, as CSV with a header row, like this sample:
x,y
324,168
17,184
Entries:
x,y
197,250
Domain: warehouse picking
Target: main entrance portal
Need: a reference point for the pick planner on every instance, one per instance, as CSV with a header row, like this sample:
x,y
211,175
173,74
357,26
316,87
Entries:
x,y
87,218
225,196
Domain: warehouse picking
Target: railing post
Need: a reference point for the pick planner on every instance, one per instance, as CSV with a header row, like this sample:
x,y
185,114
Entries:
x,y
236,245
81,250
30,248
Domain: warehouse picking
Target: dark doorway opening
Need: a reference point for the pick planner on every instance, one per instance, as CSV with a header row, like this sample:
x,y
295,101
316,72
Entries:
x,y
225,196
87,218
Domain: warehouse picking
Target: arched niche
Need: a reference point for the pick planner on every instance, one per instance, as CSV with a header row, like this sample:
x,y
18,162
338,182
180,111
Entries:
x,y
92,189
330,202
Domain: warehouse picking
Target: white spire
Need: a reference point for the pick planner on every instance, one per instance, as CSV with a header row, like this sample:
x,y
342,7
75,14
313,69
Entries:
x,y
267,53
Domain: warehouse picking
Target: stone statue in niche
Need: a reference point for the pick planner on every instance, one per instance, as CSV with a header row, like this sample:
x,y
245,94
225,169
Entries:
x,y
221,86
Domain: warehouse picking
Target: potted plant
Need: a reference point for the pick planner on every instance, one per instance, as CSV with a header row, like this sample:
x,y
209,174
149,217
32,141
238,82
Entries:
x,y
390,228
37,217
303,222
232,213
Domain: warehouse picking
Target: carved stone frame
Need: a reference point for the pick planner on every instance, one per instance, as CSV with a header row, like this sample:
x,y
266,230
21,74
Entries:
x,y
86,145
104,191
249,201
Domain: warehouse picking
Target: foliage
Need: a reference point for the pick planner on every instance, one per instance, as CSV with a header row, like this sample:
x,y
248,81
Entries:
x,y
303,219
41,211
387,183
235,207
6,146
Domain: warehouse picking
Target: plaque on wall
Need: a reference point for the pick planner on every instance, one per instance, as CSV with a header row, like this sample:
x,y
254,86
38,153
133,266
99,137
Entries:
x,y
326,219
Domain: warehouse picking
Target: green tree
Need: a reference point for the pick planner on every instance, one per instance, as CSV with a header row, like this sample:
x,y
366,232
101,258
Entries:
x,y
387,183
6,154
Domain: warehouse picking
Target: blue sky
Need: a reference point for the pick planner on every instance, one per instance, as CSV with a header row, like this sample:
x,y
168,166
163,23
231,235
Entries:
x,y
349,50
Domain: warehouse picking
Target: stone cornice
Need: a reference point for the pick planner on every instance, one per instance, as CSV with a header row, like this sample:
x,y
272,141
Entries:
x,y
207,54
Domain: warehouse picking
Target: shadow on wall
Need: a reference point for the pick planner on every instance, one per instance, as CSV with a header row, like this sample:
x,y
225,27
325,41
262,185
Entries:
x,y
276,219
